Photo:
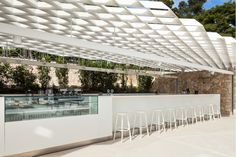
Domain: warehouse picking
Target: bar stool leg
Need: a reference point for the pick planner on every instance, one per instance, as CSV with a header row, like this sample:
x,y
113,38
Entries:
x,y
140,126
192,116
170,117
213,112
175,120
219,111
134,124
115,128
203,113
122,128
159,122
152,121
163,121
195,114
182,116
130,137
146,124
186,117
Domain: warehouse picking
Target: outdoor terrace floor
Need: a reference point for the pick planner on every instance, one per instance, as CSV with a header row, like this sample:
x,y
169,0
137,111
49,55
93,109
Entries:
x,y
208,139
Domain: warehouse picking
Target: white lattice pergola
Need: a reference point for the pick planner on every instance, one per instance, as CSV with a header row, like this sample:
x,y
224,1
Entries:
x,y
143,33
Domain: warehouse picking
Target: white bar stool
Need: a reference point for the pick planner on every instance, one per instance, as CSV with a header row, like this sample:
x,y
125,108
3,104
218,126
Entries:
x,y
200,112
210,112
157,119
217,112
192,114
171,114
181,114
122,117
142,117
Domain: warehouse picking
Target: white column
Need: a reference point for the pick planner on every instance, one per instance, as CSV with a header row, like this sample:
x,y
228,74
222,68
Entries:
x,y
2,125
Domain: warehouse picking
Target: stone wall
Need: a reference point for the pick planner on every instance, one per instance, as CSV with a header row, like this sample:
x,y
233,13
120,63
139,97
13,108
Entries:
x,y
203,82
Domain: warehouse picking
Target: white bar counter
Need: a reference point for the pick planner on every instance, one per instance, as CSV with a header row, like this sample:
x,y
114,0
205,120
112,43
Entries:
x,y
148,103
130,103
32,135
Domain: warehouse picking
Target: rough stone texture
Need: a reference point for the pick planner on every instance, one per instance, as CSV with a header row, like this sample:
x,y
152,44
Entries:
x,y
203,82
164,85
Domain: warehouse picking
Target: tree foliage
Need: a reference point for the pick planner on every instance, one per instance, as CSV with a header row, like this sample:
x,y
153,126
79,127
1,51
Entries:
x,y
24,78
144,83
94,81
219,19
190,8
43,73
62,73
5,74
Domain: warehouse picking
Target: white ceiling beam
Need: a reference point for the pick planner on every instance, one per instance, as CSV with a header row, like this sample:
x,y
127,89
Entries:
x,y
75,42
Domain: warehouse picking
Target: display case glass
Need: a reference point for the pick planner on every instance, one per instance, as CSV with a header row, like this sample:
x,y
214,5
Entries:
x,y
18,108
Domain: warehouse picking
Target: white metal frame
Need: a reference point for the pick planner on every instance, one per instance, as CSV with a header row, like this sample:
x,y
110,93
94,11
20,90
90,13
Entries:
x,y
143,33
78,67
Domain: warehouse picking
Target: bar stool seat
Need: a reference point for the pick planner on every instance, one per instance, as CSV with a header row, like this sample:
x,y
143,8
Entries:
x,y
158,120
122,116
142,117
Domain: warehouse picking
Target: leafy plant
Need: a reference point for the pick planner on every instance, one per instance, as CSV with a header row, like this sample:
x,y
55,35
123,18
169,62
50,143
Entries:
x,y
94,81
62,73
219,19
43,73
5,74
23,78
144,83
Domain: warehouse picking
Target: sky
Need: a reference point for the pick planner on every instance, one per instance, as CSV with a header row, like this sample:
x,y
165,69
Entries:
x,y
207,5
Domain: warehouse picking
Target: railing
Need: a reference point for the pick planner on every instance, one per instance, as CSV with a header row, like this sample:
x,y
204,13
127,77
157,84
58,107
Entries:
x,y
18,108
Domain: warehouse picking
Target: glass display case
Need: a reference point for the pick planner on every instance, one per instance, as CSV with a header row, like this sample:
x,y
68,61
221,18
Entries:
x,y
18,108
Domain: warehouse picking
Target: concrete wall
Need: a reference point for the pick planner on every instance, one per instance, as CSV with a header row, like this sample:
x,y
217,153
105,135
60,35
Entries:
x,y
234,91
31,135
203,82
2,122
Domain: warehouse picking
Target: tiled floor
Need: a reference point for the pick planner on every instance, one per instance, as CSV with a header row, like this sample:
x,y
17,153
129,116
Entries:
x,y
209,139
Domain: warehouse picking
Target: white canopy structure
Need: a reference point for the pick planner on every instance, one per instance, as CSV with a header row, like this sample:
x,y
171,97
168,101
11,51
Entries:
x,y
143,33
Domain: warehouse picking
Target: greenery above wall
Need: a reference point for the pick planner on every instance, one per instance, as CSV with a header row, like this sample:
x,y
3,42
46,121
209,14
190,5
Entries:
x,y
21,77
145,83
94,81
5,74
91,81
24,78
219,19
62,73
43,73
